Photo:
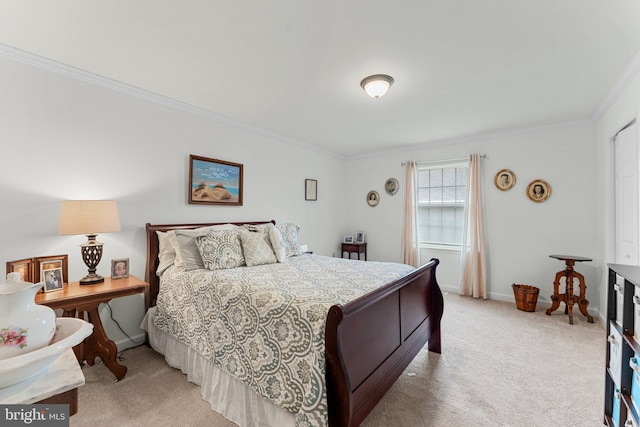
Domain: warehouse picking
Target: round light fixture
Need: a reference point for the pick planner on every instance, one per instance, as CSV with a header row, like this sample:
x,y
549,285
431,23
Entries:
x,y
376,85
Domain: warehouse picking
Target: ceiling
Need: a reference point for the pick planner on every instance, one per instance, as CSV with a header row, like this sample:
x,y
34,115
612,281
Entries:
x,y
292,68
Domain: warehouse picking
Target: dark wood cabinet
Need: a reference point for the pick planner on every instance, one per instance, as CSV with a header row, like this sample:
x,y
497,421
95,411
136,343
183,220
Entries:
x,y
622,378
354,248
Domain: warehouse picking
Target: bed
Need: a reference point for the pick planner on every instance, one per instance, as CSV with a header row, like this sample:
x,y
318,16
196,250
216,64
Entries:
x,y
367,341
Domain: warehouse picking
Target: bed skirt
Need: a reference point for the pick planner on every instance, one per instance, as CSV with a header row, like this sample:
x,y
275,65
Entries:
x,y
228,396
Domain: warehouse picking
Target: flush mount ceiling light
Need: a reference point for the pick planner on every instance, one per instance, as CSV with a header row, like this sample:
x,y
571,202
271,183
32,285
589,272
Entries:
x,y
376,85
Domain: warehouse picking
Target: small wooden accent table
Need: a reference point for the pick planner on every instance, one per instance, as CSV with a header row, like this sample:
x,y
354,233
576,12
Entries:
x,y
76,299
354,248
568,297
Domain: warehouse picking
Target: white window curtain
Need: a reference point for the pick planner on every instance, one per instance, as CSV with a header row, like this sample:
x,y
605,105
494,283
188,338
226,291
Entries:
x,y
473,277
410,254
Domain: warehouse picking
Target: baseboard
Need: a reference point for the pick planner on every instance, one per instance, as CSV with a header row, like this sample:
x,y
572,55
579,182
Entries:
x,y
543,301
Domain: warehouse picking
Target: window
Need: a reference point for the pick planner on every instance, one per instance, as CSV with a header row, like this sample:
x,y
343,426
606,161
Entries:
x,y
442,190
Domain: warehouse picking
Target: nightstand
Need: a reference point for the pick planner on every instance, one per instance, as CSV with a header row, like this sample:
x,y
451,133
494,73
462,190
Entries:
x,y
354,248
76,299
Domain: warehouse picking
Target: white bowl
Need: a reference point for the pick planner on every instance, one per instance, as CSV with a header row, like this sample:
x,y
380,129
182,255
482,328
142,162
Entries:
x,y
69,332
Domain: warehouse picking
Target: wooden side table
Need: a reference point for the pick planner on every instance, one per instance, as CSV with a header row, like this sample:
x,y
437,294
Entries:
x,y
568,296
354,248
76,299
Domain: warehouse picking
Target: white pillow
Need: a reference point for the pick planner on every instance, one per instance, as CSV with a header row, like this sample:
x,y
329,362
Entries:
x,y
184,243
289,233
166,252
277,244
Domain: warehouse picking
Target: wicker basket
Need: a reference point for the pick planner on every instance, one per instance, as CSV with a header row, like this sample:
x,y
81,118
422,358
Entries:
x,y
526,297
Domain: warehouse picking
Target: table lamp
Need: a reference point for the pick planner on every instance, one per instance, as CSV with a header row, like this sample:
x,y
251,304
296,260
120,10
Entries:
x,y
89,217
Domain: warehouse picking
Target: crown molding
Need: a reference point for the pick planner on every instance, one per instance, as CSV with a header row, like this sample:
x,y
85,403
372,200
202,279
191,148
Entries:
x,y
627,76
478,137
107,83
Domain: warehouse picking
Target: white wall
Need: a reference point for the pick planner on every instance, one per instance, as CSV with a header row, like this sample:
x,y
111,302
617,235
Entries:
x,y
520,234
622,111
67,139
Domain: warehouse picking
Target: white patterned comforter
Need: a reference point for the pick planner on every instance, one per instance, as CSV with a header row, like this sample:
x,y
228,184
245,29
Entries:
x,y
265,324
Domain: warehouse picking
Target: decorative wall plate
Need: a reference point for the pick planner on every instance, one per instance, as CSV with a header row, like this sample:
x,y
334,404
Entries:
x,y
391,186
373,198
505,179
538,191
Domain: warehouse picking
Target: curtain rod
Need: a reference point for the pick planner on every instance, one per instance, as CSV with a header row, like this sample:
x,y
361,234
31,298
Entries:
x,y
462,159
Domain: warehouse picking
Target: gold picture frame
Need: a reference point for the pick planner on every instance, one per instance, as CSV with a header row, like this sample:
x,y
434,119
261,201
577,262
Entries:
x,y
504,179
373,198
538,190
22,266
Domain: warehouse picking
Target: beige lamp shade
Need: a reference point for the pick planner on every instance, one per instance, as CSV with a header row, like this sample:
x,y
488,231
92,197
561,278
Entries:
x,y
88,217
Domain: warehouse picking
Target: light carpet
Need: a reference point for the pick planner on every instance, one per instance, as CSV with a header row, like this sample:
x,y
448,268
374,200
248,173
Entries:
x,y
499,367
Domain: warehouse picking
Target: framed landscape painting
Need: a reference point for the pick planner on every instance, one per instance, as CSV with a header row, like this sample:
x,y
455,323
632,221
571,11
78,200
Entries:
x,y
214,182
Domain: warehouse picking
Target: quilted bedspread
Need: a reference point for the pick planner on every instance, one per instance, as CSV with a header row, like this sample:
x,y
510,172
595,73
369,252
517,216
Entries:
x,y
265,324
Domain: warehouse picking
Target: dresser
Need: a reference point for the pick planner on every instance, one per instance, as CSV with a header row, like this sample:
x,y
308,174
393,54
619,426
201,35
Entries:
x,y
622,379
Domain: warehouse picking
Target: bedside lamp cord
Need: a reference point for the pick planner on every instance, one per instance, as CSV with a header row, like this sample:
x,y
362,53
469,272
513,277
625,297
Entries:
x,y
137,344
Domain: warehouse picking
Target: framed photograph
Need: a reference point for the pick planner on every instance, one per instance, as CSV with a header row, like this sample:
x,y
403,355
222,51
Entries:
x,y
373,198
51,262
538,191
504,180
347,239
311,189
22,266
52,279
359,237
214,182
391,186
119,268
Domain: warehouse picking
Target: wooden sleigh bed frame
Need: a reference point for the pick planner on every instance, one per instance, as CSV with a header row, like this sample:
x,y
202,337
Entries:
x,y
369,341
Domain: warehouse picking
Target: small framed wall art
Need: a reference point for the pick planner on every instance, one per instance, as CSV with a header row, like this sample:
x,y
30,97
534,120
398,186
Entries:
x,y
214,182
373,198
347,239
504,180
391,186
311,189
360,237
538,191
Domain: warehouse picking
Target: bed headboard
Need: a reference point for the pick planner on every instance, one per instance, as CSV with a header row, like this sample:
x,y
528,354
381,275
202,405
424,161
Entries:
x,y
153,249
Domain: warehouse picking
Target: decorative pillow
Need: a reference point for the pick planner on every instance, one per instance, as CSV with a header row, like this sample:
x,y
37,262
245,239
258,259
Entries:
x,y
220,249
256,247
263,228
184,243
289,233
277,244
166,253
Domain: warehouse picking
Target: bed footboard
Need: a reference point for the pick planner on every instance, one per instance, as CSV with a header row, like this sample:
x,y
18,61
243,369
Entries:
x,y
370,341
